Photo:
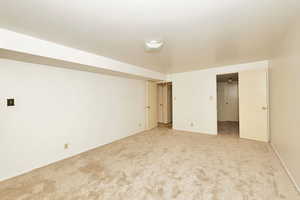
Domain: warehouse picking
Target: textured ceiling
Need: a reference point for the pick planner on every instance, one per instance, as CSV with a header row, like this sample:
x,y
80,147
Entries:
x,y
197,33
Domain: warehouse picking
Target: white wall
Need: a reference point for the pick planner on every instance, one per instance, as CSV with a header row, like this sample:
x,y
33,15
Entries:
x,y
195,97
284,101
55,106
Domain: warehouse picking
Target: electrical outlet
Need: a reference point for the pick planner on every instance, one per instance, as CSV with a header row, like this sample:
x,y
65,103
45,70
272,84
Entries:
x,y
140,124
66,146
192,124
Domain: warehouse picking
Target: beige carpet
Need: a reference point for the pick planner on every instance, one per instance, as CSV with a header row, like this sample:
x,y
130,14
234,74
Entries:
x,y
160,164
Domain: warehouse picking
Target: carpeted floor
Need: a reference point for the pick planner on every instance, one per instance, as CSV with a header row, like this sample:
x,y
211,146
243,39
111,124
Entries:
x,y
161,164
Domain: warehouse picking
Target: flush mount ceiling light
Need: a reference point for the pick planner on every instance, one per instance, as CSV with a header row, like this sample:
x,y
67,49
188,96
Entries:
x,y
153,45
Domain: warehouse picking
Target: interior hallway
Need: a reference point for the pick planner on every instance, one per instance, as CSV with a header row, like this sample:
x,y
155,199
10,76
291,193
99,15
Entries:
x,y
162,125
160,164
228,128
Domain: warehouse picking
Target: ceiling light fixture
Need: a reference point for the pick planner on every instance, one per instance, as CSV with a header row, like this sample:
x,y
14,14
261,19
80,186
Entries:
x,y
153,45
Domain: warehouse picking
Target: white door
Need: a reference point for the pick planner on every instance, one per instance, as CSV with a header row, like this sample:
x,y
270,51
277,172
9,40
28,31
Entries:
x,y
151,105
165,103
232,102
221,101
169,103
228,102
160,99
253,105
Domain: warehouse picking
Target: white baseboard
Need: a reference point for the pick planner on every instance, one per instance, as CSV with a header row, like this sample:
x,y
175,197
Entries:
x,y
286,168
194,131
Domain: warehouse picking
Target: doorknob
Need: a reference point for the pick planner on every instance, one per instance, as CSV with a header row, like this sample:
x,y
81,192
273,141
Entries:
x,y
148,107
264,108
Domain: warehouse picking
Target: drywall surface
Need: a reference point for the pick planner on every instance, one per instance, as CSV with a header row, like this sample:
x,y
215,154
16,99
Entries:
x,y
284,101
195,97
16,42
56,106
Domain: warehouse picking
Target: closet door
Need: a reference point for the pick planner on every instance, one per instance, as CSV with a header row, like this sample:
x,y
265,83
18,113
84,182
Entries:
x,y
160,103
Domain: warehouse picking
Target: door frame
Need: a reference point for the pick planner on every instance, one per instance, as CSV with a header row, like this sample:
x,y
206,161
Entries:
x,y
157,104
267,95
217,98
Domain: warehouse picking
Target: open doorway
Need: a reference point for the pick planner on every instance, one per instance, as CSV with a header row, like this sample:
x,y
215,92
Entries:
x,y
228,104
164,99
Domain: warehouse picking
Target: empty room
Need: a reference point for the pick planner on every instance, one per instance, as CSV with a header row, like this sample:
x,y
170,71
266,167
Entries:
x,y
149,100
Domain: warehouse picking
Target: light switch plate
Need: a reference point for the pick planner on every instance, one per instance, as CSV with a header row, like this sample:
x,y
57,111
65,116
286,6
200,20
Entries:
x,y
66,146
10,102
